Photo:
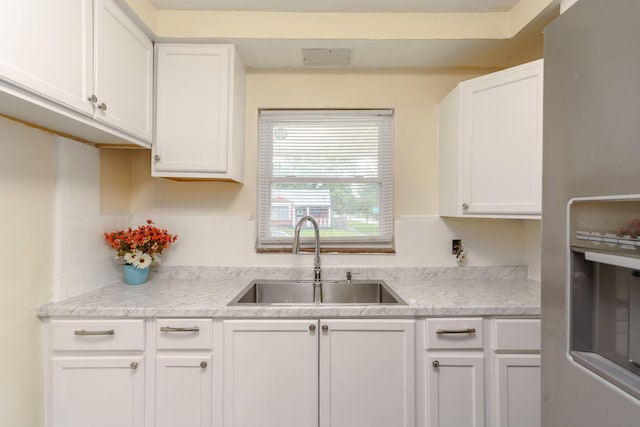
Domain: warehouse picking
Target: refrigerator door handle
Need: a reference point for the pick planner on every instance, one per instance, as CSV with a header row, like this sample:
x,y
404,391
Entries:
x,y
617,260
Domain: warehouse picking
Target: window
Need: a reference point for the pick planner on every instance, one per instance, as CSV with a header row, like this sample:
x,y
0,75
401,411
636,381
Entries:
x,y
335,165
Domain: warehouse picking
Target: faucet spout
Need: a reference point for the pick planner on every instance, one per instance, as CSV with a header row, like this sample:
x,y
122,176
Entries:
x,y
296,244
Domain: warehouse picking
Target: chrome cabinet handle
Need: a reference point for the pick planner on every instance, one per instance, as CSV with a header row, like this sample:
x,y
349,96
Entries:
x,y
312,328
435,364
170,329
156,158
325,328
465,206
203,364
92,99
102,107
456,331
134,365
82,332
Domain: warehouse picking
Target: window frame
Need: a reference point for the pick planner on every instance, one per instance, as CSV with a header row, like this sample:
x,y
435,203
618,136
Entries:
x,y
382,243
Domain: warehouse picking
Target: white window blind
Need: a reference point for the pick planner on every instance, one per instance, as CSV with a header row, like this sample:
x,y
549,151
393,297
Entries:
x,y
335,165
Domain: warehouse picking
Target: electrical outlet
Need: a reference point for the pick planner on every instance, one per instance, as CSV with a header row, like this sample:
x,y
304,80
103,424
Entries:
x,y
456,246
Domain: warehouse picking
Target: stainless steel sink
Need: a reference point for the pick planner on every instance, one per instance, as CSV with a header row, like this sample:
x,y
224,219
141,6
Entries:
x,y
300,292
268,292
359,292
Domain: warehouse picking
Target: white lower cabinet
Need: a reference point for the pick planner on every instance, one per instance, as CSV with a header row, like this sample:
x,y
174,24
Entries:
x,y
515,362
97,373
183,373
454,373
365,370
101,391
270,373
455,390
475,379
469,372
517,394
184,391
367,373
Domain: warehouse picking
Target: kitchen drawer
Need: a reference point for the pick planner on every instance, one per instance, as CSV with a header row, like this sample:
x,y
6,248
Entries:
x,y
460,333
516,334
96,335
184,334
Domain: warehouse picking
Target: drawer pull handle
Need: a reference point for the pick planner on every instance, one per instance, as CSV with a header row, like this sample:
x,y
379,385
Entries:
x,y
456,331
435,364
170,329
134,365
203,365
87,333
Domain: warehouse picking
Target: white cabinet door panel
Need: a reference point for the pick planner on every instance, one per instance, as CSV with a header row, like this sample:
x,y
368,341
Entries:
x,y
270,373
193,108
502,143
367,376
518,390
98,391
184,391
46,47
123,71
455,390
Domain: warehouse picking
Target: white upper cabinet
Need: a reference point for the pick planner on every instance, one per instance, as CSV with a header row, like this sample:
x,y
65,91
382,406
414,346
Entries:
x,y
123,71
490,145
200,94
80,68
46,47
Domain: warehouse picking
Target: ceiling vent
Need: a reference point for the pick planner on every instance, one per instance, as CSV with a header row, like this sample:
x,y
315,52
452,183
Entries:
x,y
326,57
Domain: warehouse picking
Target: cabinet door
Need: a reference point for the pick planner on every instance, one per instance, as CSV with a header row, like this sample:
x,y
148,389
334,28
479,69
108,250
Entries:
x,y
98,391
502,142
455,390
193,96
517,396
184,391
367,376
123,71
270,373
45,47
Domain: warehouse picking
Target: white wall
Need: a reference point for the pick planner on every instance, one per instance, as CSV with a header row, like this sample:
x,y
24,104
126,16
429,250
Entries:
x,y
26,232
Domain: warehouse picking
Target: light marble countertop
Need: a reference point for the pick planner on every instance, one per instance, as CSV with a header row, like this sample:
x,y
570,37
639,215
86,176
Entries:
x,y
205,292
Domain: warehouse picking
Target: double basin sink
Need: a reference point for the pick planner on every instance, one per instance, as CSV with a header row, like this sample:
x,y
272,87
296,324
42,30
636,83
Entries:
x,y
300,292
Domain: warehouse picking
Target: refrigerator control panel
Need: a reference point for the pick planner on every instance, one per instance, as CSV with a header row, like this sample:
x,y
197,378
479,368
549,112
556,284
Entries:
x,y
606,225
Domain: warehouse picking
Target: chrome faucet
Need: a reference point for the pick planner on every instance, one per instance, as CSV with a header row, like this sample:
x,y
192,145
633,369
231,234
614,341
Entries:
x,y
296,244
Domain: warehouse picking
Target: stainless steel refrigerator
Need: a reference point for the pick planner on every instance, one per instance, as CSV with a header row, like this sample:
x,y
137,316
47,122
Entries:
x,y
591,149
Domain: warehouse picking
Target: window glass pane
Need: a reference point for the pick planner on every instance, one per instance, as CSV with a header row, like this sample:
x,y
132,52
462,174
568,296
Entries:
x,y
341,209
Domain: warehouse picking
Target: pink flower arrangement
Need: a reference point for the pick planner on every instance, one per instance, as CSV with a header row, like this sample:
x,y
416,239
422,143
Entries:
x,y
140,246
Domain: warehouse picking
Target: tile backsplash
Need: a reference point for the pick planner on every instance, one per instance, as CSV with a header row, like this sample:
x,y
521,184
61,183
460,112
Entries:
x,y
82,261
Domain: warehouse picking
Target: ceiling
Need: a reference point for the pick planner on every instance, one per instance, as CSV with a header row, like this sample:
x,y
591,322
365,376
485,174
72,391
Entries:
x,y
433,34
361,6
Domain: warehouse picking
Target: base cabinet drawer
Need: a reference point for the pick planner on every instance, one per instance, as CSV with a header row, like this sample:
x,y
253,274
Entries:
x,y
97,335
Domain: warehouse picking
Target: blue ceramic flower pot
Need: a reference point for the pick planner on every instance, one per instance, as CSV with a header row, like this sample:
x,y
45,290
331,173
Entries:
x,y
135,276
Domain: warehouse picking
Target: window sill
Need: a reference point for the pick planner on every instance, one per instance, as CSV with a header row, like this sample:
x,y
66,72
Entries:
x,y
362,250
